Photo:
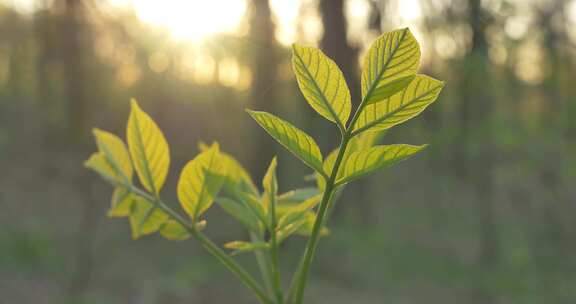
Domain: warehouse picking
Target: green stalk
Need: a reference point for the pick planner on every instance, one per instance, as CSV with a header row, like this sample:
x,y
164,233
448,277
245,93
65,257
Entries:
x,y
263,264
212,248
301,275
274,249
303,270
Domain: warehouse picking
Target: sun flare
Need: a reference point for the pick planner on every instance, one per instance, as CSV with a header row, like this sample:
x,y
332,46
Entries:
x,y
192,20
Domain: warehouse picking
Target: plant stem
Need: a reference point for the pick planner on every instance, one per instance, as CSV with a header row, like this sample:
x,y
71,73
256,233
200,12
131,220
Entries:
x,y
263,263
302,273
274,249
212,248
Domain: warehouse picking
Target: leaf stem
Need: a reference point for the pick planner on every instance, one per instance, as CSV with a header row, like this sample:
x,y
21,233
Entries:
x,y
210,246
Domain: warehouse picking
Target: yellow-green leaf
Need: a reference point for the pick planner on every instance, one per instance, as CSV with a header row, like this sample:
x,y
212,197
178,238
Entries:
x,y
200,181
243,247
297,195
100,165
306,228
148,148
173,230
270,185
421,92
322,83
252,203
297,212
145,218
237,178
295,140
112,158
121,203
390,64
369,160
239,212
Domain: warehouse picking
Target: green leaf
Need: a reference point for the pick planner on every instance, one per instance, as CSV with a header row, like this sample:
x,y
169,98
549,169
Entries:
x,y
390,89
322,84
369,139
98,163
289,229
306,228
296,212
145,217
112,160
148,148
121,203
297,195
369,160
270,185
237,178
172,230
390,65
421,92
243,247
292,138
239,212
252,203
200,182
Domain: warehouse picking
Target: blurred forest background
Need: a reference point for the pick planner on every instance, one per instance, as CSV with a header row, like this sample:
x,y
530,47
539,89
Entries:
x,y
486,215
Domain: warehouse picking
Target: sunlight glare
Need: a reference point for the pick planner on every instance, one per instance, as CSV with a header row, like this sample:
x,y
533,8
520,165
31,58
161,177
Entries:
x,y
191,20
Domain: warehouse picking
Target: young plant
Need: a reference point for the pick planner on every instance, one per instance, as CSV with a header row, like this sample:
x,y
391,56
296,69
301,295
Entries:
x,y
392,93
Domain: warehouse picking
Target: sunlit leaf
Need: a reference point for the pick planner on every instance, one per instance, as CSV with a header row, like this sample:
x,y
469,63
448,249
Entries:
x,y
145,217
390,65
236,176
363,162
148,148
98,163
322,83
297,195
306,228
419,94
292,138
173,230
121,203
252,203
200,182
239,212
243,247
270,185
369,139
297,211
112,160
289,229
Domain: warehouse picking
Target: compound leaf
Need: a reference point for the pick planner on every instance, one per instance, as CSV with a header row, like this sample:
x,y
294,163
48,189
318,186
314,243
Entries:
x,y
295,140
322,83
148,148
